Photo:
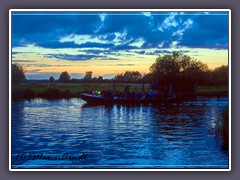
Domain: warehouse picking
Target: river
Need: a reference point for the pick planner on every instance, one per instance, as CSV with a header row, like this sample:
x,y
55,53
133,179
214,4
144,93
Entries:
x,y
177,135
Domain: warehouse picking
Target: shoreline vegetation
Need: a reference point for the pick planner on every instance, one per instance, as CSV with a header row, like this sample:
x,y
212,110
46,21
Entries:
x,y
51,91
222,127
174,74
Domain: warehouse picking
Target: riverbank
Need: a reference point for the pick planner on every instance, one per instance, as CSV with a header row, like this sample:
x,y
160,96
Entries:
x,y
64,90
72,90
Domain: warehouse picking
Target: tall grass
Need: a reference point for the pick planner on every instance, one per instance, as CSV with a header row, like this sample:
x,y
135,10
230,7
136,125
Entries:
x,y
222,126
49,93
206,89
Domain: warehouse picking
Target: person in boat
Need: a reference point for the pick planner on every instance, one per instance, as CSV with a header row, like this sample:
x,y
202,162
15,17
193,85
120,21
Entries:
x,y
150,93
126,89
138,95
155,93
132,95
118,95
126,93
108,94
143,95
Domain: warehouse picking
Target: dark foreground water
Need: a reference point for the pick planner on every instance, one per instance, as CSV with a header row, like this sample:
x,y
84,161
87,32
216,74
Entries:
x,y
118,136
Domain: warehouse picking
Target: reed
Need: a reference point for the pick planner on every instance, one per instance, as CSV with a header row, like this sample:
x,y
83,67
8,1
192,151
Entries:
x,y
222,127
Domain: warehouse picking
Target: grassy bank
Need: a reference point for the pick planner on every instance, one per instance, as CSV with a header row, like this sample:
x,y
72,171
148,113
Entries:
x,y
64,90
206,89
75,87
71,90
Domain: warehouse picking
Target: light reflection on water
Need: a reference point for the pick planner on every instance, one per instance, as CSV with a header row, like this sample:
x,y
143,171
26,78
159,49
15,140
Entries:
x,y
119,136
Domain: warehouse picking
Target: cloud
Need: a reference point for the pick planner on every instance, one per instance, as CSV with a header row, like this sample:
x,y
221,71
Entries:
x,y
169,22
82,39
157,52
57,45
21,61
124,47
125,64
16,53
147,14
140,52
207,32
33,71
119,32
79,57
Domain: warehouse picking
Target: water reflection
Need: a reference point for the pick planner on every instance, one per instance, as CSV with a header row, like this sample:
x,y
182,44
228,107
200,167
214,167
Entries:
x,y
119,136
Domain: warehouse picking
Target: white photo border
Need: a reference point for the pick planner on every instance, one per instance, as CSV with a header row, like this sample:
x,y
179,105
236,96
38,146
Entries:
x,y
118,10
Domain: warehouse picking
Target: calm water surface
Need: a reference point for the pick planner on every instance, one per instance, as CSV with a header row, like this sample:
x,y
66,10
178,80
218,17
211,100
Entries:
x,y
118,136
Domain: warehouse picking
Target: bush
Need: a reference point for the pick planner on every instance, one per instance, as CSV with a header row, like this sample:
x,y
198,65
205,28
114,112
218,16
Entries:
x,y
64,77
21,94
225,126
222,127
53,93
18,75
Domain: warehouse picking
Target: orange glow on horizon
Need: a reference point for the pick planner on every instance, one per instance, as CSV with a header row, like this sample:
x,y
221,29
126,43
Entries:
x,y
141,63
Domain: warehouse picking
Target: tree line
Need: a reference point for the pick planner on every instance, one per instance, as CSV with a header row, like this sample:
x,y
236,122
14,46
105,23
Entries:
x,y
175,68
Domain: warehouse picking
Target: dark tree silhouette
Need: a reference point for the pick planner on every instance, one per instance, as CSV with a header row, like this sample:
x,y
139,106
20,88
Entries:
x,y
119,77
64,77
220,75
178,68
51,79
128,76
132,76
147,77
100,78
88,75
18,75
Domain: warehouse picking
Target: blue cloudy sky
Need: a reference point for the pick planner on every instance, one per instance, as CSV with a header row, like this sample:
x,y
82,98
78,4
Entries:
x,y
108,43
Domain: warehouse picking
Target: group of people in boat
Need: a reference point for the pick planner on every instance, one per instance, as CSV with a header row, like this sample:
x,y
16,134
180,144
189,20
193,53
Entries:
x,y
153,93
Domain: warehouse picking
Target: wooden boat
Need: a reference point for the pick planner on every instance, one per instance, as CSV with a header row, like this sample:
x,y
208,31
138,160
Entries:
x,y
99,99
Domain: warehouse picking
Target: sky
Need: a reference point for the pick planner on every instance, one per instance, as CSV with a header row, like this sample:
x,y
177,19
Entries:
x,y
109,43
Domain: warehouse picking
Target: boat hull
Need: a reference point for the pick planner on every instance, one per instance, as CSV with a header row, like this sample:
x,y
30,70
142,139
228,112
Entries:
x,y
100,100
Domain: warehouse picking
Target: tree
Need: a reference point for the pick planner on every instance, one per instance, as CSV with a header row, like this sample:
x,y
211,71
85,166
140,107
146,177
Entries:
x,y
18,75
166,69
220,75
192,70
132,76
119,78
51,79
64,77
147,77
178,68
128,76
100,78
88,75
